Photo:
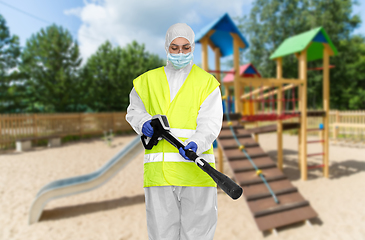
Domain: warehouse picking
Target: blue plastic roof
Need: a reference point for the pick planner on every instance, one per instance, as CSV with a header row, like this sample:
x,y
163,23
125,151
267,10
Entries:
x,y
320,38
221,37
250,70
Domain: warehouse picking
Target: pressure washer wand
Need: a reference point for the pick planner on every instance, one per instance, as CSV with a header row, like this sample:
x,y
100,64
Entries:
x,y
161,129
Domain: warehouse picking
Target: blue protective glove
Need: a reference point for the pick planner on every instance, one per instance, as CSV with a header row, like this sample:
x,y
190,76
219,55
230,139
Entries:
x,y
192,146
147,129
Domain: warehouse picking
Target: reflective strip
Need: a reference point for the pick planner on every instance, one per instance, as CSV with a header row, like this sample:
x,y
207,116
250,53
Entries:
x,y
176,157
153,157
183,133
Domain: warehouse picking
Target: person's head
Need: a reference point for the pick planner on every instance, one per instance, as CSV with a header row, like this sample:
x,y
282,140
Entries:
x,y
179,45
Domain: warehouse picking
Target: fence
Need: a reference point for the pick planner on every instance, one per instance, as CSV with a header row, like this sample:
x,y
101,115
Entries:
x,y
13,126
345,125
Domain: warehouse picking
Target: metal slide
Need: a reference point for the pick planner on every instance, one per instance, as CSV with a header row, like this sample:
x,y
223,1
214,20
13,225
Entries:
x,y
75,185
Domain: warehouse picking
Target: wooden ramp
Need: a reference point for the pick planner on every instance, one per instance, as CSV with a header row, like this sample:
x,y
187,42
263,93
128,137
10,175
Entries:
x,y
266,212
273,128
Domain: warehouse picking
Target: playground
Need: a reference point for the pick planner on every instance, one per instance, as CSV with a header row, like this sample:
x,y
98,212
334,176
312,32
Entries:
x,y
297,186
117,211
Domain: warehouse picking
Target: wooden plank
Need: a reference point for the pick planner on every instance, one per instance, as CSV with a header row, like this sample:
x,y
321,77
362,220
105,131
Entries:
x,y
303,77
236,65
258,181
247,135
256,91
252,168
247,145
232,117
258,82
285,218
268,203
204,43
281,208
352,125
246,164
220,158
269,195
232,142
247,178
274,92
279,124
218,55
242,156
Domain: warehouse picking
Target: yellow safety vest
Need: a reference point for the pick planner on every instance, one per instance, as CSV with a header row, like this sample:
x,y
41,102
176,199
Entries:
x,y
163,165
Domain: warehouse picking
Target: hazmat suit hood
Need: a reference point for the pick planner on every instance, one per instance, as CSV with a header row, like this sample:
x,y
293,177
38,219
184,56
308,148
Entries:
x,y
175,31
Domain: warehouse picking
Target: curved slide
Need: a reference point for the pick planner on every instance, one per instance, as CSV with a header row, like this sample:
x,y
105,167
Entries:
x,y
84,183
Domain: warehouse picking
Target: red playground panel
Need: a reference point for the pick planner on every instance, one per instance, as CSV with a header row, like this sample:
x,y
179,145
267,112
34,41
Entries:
x,y
268,117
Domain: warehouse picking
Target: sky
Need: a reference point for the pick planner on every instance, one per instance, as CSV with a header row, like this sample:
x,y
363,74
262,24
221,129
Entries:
x,y
92,22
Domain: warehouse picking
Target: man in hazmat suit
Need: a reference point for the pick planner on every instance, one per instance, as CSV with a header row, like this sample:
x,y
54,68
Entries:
x,y
181,199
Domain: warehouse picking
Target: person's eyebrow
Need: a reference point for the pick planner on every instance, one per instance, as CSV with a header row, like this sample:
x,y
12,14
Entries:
x,y
179,45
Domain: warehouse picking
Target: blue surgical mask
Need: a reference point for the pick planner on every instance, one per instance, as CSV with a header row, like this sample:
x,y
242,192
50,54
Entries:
x,y
180,60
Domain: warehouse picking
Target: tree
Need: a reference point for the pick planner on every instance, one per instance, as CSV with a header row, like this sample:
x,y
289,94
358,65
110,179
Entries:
x,y
9,54
50,62
272,21
110,72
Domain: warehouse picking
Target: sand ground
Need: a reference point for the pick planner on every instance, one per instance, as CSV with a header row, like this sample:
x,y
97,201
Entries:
x,y
116,210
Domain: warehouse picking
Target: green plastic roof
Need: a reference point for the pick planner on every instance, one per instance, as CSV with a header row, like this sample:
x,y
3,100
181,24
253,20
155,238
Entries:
x,y
299,42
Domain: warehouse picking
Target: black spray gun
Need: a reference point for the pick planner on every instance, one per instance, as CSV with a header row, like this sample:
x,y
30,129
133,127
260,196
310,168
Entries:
x,y
161,130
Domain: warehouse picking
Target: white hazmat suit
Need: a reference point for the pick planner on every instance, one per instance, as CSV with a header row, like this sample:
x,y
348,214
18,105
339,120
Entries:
x,y
180,212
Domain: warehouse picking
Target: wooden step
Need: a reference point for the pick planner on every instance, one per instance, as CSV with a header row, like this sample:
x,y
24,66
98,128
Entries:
x,y
232,142
247,145
261,161
247,178
232,116
238,136
281,208
257,189
252,168
234,126
285,218
256,181
253,152
269,203
269,195
244,157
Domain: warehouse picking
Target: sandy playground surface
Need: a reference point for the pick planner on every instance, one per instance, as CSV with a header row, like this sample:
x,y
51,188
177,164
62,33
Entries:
x,y
116,210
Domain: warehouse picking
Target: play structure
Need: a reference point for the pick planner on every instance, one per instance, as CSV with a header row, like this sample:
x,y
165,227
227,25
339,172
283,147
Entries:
x,y
272,199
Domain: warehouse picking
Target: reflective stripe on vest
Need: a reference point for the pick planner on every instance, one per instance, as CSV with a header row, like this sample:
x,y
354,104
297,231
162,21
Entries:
x,y
173,157
163,164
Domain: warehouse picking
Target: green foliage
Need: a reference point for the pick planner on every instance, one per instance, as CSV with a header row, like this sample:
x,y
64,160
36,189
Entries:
x,y
110,73
350,73
9,54
50,63
272,21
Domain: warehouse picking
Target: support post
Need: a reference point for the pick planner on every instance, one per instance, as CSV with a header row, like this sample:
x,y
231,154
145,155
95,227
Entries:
x,y
218,64
279,75
303,116
326,108
236,64
220,159
204,43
